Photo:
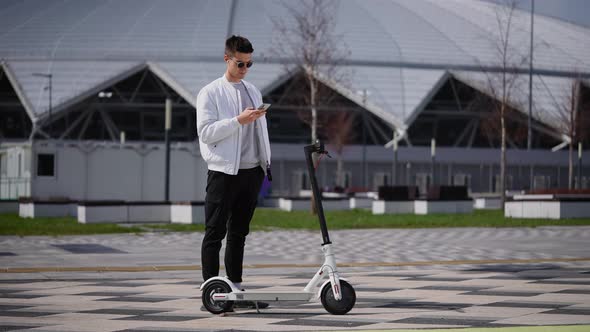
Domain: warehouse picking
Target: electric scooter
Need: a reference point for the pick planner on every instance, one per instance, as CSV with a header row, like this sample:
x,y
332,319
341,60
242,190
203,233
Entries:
x,y
337,295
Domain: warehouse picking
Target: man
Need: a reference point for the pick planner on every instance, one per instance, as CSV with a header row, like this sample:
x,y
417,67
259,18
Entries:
x,y
233,140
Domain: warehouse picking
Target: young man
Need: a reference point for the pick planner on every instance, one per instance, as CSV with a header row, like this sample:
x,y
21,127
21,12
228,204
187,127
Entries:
x,y
233,140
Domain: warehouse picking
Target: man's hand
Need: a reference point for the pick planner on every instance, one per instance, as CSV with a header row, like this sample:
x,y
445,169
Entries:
x,y
250,115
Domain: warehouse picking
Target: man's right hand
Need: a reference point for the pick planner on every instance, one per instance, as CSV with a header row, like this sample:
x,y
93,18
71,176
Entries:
x,y
250,115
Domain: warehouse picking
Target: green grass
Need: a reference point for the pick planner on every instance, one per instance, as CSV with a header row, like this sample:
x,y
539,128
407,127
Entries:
x,y
270,219
12,224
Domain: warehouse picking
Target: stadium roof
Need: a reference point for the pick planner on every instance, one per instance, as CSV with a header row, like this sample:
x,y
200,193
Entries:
x,y
401,51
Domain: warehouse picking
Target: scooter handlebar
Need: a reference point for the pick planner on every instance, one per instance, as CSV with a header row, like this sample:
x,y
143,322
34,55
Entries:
x,y
317,147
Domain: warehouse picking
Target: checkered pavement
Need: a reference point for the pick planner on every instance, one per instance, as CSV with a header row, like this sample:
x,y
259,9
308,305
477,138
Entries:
x,y
473,296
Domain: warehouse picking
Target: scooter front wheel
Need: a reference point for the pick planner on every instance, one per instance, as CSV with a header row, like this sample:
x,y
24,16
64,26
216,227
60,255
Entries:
x,y
216,287
334,306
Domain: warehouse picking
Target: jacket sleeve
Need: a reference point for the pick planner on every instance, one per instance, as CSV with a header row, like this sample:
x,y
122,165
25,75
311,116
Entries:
x,y
210,128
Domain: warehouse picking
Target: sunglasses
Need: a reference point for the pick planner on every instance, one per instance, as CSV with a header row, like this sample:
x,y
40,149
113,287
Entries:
x,y
242,64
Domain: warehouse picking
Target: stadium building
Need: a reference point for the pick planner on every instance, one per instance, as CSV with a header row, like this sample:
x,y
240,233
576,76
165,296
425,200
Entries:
x,y
83,86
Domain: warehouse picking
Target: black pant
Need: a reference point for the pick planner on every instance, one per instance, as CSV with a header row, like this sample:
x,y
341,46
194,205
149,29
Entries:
x,y
229,206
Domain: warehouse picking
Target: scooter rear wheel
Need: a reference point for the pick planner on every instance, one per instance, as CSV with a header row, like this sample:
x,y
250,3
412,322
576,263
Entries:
x,y
334,306
215,287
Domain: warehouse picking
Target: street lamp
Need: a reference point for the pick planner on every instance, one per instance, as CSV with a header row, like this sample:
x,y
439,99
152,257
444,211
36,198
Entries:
x,y
50,77
579,165
433,160
167,126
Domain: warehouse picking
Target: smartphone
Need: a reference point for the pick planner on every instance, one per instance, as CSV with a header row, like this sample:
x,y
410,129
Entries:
x,y
263,107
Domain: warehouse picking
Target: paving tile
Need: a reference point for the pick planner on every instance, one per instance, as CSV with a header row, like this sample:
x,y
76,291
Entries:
x,y
122,311
9,327
109,293
88,248
162,329
512,304
445,321
435,278
546,319
512,268
6,307
319,322
563,311
562,282
20,296
375,289
425,305
501,293
16,313
574,291
119,284
159,318
457,288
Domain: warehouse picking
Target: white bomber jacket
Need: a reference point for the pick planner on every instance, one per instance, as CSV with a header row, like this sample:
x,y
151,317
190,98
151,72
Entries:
x,y
218,105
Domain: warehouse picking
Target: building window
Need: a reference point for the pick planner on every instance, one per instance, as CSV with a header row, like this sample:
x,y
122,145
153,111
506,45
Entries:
x,y
45,164
380,179
461,179
423,182
541,181
497,182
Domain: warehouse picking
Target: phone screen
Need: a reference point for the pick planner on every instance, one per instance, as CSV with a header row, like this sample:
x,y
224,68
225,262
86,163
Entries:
x,y
264,107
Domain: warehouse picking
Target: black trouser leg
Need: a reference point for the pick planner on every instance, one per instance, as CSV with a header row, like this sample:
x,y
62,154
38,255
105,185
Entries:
x,y
217,210
248,182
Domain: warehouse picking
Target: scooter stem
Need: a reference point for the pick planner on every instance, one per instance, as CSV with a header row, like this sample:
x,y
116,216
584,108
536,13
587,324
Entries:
x,y
318,147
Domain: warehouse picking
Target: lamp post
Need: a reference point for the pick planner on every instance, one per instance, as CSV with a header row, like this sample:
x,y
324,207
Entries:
x,y
394,171
579,165
167,126
50,78
433,160
364,140
530,120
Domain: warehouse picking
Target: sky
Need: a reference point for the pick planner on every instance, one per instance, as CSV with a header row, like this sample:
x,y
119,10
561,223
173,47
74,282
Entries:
x,y
575,11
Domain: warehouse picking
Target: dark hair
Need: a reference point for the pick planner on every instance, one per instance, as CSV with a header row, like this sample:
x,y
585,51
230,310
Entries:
x,y
237,44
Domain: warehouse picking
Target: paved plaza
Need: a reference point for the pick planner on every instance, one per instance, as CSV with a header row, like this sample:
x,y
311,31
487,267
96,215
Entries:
x,y
404,279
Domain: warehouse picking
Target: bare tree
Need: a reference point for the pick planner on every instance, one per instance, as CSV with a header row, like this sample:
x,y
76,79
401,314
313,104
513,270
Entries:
x,y
306,42
308,45
502,83
339,130
572,121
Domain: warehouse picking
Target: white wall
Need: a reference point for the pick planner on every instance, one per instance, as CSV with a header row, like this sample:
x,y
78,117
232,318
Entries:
x,y
132,172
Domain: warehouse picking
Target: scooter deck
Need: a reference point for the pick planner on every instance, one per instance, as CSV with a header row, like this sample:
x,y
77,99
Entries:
x,y
263,296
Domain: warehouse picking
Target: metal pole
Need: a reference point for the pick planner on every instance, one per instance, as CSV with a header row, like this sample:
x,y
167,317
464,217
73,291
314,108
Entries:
x,y
50,88
364,133
394,170
167,126
309,150
50,103
530,121
579,165
433,160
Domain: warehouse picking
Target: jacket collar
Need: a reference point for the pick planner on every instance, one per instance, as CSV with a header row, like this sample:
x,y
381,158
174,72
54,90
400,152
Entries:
x,y
225,80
